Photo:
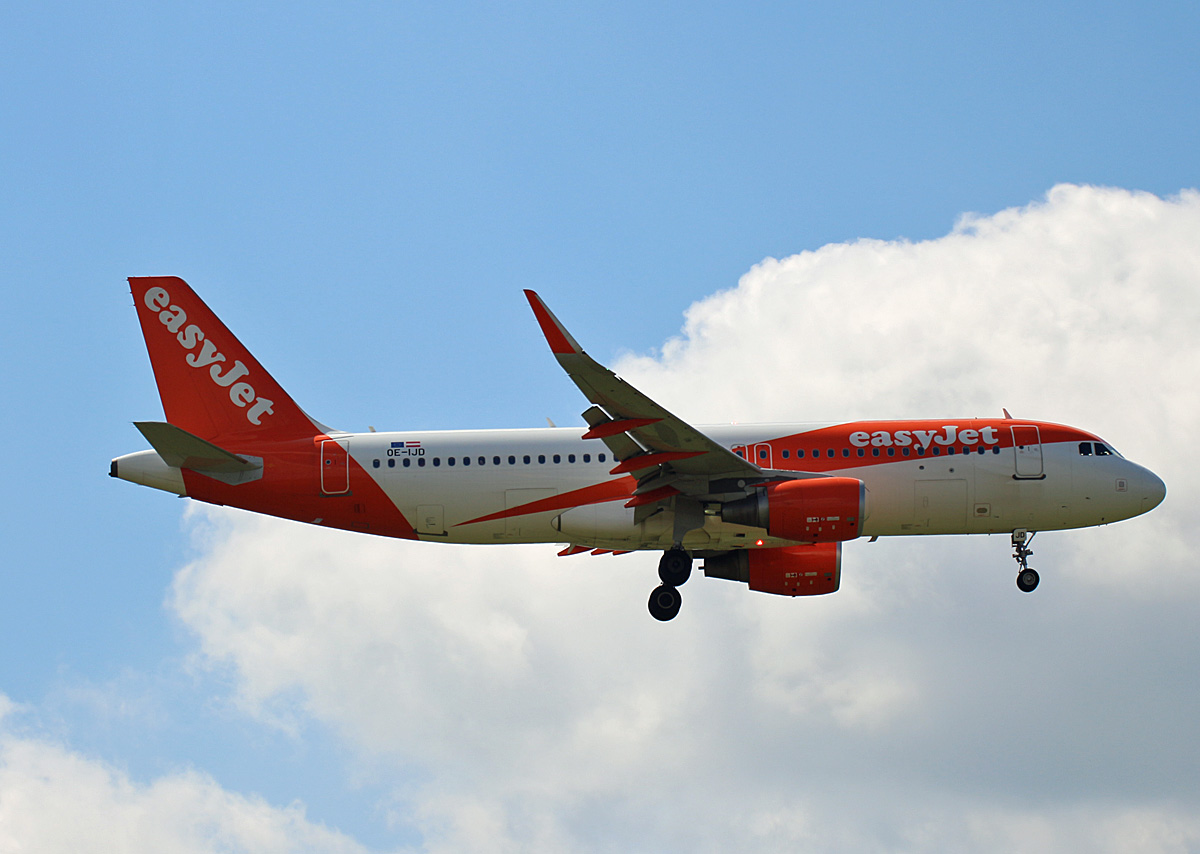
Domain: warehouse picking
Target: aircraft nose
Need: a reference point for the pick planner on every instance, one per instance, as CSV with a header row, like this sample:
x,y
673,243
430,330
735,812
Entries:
x,y
1156,491
1149,488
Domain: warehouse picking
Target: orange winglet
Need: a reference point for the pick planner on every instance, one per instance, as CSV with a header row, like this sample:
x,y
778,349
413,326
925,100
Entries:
x,y
645,461
560,341
621,425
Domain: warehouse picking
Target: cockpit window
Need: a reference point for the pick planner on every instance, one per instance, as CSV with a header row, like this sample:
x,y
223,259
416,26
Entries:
x,y
1103,451
1085,449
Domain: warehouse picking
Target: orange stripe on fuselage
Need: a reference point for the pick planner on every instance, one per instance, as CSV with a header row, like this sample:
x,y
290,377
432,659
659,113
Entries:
x,y
291,489
598,493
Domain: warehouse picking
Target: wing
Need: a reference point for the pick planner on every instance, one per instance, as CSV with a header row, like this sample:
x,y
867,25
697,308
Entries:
x,y
667,455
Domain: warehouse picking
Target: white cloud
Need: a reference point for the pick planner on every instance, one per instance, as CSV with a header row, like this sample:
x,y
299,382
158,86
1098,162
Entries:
x,y
54,800
927,705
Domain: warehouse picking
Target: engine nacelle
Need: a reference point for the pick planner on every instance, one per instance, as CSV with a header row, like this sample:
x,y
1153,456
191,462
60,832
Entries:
x,y
790,571
814,510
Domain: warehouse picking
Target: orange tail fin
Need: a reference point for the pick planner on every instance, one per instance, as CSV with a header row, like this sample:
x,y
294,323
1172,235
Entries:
x,y
209,383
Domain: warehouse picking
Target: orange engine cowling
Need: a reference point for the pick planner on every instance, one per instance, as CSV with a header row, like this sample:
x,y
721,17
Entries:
x,y
814,510
791,571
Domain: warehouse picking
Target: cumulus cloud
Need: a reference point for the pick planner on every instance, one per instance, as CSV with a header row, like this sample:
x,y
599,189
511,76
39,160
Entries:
x,y
55,800
1066,304
927,705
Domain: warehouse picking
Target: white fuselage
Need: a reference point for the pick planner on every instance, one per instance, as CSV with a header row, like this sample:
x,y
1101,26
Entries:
x,y
463,486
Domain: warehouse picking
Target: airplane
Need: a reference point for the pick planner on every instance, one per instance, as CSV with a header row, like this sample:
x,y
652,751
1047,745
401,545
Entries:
x,y
766,505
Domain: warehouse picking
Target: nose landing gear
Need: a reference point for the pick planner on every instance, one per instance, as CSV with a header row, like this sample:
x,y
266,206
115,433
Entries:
x,y
674,568
1027,576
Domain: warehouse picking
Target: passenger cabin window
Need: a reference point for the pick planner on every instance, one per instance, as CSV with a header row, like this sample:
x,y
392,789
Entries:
x,y
392,462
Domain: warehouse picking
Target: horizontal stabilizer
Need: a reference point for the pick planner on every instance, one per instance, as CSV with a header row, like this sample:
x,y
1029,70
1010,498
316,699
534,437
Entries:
x,y
181,449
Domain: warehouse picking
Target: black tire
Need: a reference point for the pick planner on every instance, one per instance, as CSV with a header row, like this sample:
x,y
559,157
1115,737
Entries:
x,y
675,567
1027,580
664,602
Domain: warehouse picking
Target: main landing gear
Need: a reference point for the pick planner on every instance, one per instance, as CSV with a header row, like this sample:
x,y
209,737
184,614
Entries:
x,y
674,568
1027,577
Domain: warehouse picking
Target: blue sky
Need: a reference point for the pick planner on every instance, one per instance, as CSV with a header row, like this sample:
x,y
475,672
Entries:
x,y
362,192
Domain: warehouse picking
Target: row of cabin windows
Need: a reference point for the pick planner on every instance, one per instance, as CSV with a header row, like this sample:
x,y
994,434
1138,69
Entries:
x,y
875,452
1085,449
527,459
483,461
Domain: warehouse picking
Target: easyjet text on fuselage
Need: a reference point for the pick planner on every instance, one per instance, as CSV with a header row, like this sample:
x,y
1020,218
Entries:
x,y
948,434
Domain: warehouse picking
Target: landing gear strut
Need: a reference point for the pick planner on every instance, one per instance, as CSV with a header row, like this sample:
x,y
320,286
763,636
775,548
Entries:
x,y
674,568
1027,576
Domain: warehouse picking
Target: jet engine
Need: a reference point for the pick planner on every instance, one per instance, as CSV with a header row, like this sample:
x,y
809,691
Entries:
x,y
813,510
791,571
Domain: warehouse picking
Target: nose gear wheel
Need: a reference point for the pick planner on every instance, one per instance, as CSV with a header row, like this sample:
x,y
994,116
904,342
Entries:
x,y
1027,577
